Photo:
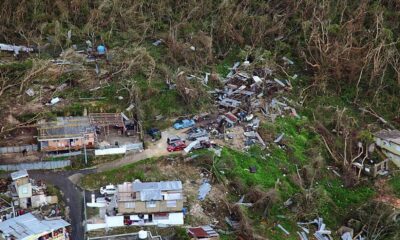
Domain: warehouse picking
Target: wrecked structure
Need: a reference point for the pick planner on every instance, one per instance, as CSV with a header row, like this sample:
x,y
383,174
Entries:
x,y
26,193
140,203
389,142
247,95
97,130
203,232
66,134
28,226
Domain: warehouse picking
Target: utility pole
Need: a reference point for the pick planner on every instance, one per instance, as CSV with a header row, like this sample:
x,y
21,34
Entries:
x,y
84,148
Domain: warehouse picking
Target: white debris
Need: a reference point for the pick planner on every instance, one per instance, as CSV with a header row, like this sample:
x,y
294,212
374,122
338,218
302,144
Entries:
x,y
283,229
287,60
15,49
246,63
158,42
30,92
279,138
55,101
257,80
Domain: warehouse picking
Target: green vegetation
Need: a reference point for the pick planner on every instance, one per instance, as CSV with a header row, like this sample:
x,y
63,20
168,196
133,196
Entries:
x,y
395,184
145,170
341,200
345,54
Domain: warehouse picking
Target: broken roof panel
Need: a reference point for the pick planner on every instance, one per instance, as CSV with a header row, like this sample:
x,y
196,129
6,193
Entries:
x,y
228,102
150,195
106,119
393,135
19,174
65,127
162,186
27,225
202,232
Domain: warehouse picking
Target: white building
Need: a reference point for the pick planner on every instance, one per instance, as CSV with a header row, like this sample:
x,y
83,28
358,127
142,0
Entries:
x,y
140,204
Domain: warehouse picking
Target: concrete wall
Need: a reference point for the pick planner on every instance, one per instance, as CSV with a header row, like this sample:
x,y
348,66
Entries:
x,y
36,165
66,144
110,151
18,149
141,207
175,218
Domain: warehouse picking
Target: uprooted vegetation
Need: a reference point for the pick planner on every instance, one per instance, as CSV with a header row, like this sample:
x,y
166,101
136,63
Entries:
x,y
345,53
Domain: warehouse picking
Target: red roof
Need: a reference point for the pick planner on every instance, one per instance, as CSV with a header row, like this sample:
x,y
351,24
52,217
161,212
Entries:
x,y
198,232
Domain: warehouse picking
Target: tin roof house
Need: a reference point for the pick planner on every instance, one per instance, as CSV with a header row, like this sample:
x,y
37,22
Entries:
x,y
28,226
142,203
66,133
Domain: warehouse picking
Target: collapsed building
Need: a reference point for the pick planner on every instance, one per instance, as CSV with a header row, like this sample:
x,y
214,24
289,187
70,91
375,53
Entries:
x,y
246,95
66,133
26,193
97,130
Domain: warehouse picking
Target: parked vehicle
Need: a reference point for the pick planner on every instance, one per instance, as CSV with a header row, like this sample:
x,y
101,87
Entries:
x,y
176,146
154,133
174,139
184,123
196,133
203,144
108,190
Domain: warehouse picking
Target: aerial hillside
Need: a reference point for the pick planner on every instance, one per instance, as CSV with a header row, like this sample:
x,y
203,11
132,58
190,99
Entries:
x,y
323,78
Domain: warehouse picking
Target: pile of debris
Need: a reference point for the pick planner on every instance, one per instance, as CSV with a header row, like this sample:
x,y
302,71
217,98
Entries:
x,y
247,94
27,193
322,233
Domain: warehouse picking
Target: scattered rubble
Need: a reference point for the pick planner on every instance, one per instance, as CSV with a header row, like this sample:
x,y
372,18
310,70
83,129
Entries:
x,y
322,233
204,189
15,49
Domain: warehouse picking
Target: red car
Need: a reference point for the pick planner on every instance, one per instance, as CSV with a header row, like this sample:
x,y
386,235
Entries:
x,y
176,146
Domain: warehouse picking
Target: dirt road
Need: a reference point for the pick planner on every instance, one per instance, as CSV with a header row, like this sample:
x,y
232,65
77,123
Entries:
x,y
72,196
155,149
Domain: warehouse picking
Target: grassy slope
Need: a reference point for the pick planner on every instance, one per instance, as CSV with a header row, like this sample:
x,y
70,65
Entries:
x,y
335,200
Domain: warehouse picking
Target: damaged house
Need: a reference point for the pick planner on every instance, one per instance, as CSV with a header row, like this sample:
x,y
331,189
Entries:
x,y
28,226
97,130
140,203
26,194
66,134
389,142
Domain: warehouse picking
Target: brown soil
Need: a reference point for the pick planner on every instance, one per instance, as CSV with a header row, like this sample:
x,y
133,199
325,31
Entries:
x,y
17,137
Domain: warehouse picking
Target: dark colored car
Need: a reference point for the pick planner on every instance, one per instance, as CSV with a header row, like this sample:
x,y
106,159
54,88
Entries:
x,y
176,146
154,133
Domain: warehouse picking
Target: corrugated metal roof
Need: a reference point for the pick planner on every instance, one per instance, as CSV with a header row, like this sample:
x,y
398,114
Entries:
x,y
65,127
393,135
26,225
19,174
149,195
162,186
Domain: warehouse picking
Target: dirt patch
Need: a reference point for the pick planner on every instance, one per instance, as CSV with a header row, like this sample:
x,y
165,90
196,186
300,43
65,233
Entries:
x,y
18,137
235,140
12,158
385,194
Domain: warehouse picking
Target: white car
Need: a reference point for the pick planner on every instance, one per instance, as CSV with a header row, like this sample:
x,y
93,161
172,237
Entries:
x,y
108,190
